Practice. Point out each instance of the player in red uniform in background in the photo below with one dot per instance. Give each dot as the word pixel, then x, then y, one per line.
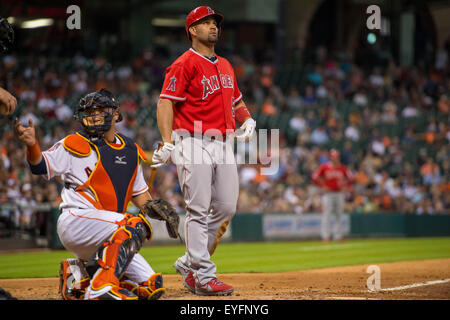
pixel 200 101
pixel 334 178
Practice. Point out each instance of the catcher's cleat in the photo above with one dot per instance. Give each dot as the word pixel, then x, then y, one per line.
pixel 188 277
pixel 73 279
pixel 147 290
pixel 110 292
pixel 214 287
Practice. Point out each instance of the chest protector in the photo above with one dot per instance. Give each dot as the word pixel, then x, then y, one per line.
pixel 114 174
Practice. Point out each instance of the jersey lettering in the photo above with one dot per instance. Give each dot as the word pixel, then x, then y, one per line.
pixel 207 88
pixel 227 80
pixel 54 147
pixel 215 83
pixel 212 84
pixel 88 171
pixel 333 174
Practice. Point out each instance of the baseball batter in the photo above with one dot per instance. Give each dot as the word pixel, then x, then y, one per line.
pixel 199 104
pixel 334 178
pixel 102 172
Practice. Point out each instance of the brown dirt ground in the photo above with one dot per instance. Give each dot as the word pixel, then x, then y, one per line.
pixel 347 283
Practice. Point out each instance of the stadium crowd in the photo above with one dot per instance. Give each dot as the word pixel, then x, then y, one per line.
pixel 386 178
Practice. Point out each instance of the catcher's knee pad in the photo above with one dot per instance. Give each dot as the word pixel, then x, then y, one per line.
pixel 73 279
pixel 152 289
pixel 110 261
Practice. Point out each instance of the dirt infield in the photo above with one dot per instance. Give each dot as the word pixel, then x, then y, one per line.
pixel 399 280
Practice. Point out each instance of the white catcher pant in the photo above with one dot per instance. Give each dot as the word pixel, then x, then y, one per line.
pixel 83 231
pixel 208 177
pixel 332 204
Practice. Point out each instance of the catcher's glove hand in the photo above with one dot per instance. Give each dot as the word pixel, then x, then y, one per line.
pixel 162 210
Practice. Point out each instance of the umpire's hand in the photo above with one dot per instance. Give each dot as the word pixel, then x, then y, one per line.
pixel 7 102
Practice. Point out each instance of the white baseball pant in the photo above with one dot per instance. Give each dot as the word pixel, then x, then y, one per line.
pixel 332 205
pixel 208 177
pixel 83 231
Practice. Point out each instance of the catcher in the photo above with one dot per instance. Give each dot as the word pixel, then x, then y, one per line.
pixel 102 172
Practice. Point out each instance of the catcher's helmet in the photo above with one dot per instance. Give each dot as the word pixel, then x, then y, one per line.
pixel 97 100
pixel 199 13
pixel 6 35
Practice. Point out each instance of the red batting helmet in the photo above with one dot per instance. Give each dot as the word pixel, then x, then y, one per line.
pixel 200 13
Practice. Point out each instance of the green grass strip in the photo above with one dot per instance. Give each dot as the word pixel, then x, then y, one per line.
pixel 254 257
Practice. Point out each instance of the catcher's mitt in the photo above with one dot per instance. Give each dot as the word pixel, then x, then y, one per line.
pixel 162 210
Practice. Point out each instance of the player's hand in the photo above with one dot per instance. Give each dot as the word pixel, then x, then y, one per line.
pixel 162 155
pixel 8 102
pixel 248 127
pixel 26 134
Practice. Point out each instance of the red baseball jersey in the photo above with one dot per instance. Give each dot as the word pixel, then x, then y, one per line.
pixel 204 90
pixel 334 177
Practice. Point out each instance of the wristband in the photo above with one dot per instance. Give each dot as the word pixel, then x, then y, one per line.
pixel 33 152
pixel 241 114
pixel 40 168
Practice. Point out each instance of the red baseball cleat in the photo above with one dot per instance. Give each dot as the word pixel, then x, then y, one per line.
pixel 214 287
pixel 188 277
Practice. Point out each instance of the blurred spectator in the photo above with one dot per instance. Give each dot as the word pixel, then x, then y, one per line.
pixel 377 146
pixel 360 98
pixel 268 107
pixel 298 123
pixel 389 112
pixel 410 111
pixel 319 136
pixel 294 101
pixel 309 98
pixel 352 132
pixel 62 111
pixel 430 172
pixel 444 104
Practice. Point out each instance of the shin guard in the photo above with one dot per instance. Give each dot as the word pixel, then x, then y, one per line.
pixel 110 261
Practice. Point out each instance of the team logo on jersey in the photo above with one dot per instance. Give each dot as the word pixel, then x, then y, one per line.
pixel 213 84
pixel 172 84
pixel 119 160
pixel 54 147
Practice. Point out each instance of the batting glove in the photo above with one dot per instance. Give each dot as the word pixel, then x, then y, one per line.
pixel 248 127
pixel 162 155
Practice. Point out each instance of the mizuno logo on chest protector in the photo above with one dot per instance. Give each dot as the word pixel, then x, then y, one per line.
pixel 120 160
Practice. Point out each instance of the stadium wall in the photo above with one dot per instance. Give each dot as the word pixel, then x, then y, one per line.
pixel 285 226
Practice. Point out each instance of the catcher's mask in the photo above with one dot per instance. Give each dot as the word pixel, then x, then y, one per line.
pixel 6 35
pixel 95 112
